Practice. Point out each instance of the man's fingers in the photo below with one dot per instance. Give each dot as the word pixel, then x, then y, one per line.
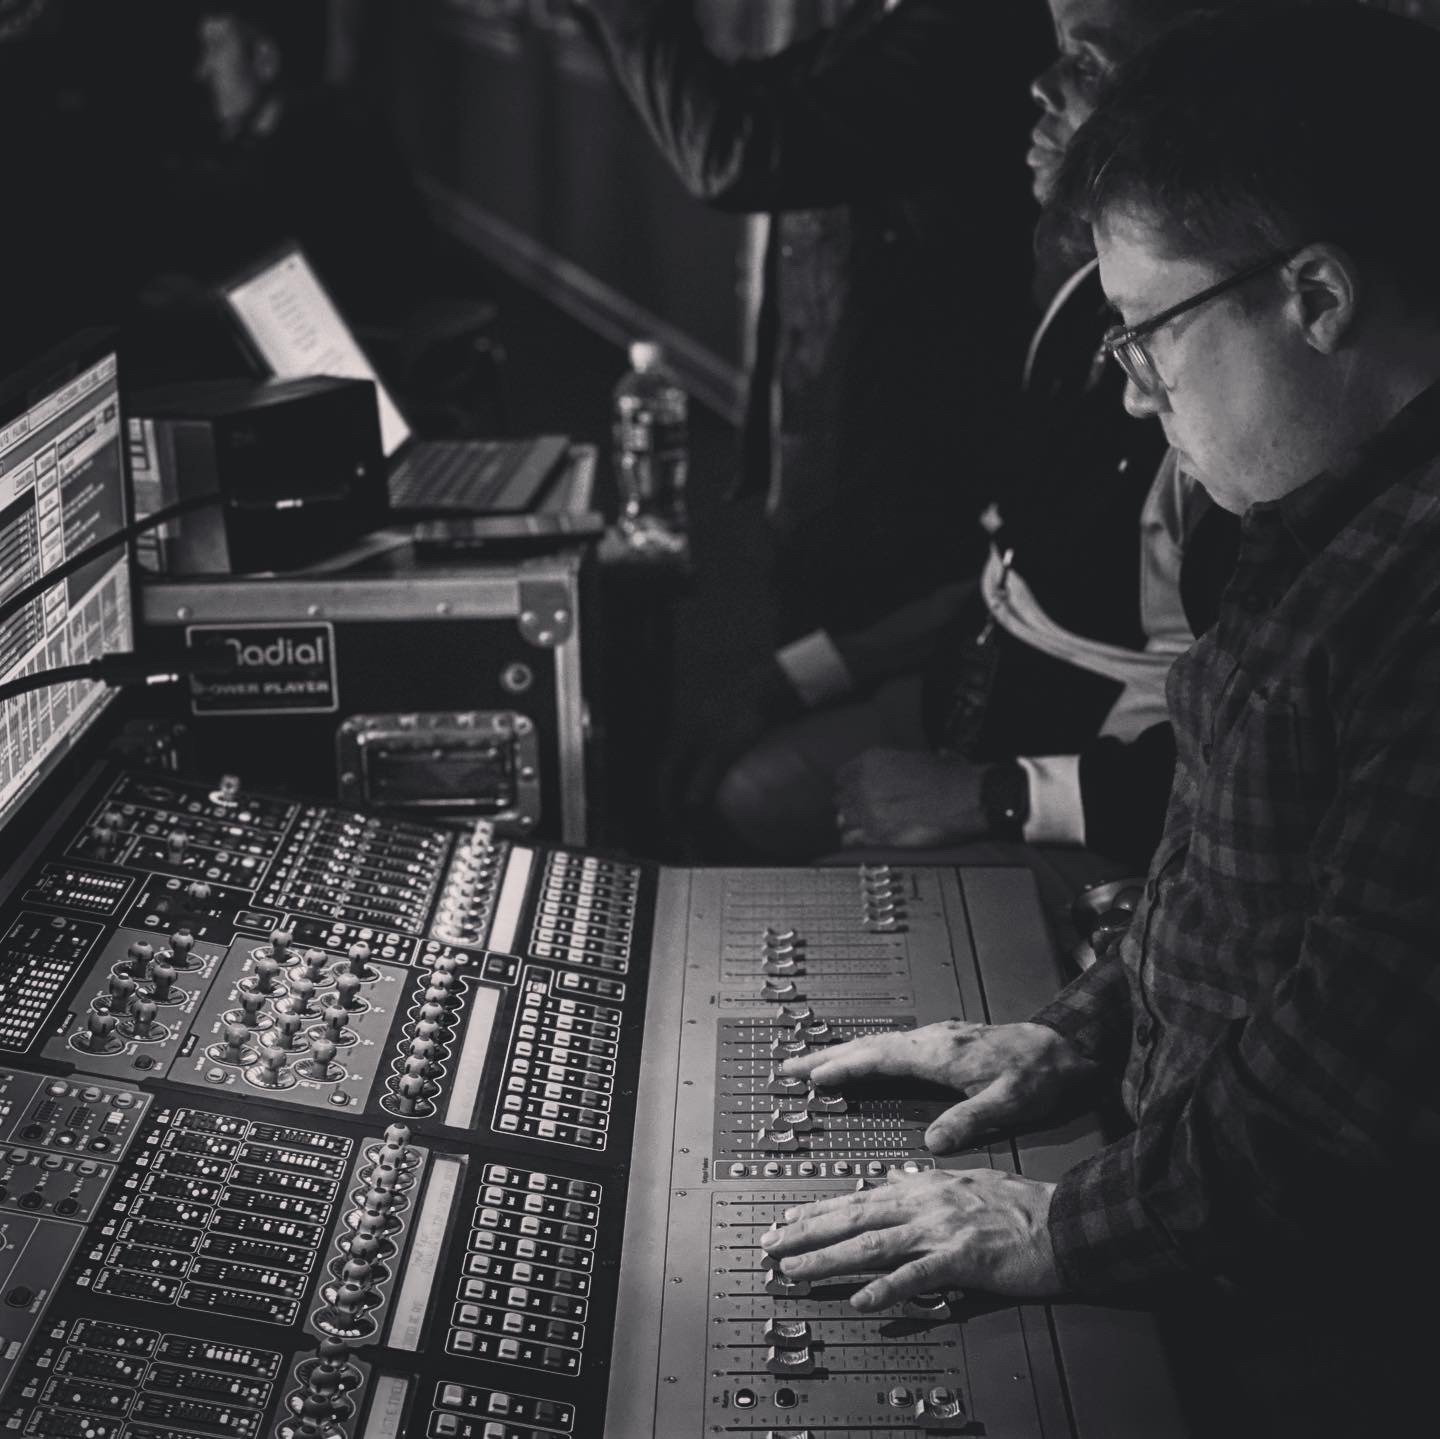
pixel 988 1110
pixel 862 1253
pixel 895 1054
pixel 924 1275
pixel 839 1217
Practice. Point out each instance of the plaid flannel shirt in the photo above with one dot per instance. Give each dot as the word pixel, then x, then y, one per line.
pixel 1275 1005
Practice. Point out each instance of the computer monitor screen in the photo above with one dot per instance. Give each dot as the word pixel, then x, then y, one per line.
pixel 295 328
pixel 62 488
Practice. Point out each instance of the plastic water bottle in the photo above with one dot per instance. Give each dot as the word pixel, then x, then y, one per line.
pixel 651 450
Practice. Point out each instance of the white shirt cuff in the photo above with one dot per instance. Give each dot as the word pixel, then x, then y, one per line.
pixel 815 668
pixel 1057 814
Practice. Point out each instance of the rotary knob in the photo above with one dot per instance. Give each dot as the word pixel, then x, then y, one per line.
pixel 270 1072
pixel 315 962
pixel 287 1032
pixel 409 1092
pixel 437 996
pixel 359 956
pixel 424 1049
pixel 182 945
pixel 198 891
pixel 140 954
pixel 428 1029
pixel 280 941
pixel 396 1136
pixel 237 1041
pixel 141 1023
pixel 347 991
pixel 100 1036
pixel 302 996
pixel 162 983
pixel 103 838
pixel 250 1006
pixel 334 1020
pixel 266 969
pixel 122 993
pixel 176 843
pixel 229 791
pixel 321 1064
pixel 434 1013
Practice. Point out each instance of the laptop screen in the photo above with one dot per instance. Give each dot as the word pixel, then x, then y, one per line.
pixel 298 332
pixel 62 490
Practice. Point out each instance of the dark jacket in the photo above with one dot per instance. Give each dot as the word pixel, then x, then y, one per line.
pixel 889 149
pixel 1070 512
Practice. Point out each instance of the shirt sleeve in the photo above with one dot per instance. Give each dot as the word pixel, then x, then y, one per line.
pixel 1318 1113
pixel 816 124
pixel 1093 1013
pixel 1057 815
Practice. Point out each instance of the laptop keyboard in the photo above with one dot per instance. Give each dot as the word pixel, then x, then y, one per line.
pixel 465 474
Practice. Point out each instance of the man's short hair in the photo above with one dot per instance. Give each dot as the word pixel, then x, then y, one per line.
pixel 296 27
pixel 1244 132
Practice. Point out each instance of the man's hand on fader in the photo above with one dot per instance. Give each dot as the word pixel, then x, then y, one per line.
pixel 1014 1075
pixel 937 1231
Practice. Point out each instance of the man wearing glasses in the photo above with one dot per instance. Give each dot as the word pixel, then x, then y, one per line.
pixel 1273 1015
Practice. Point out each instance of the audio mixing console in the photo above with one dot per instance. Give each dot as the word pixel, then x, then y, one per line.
pixel 330 1124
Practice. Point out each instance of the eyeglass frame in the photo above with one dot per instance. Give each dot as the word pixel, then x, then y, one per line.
pixel 1125 345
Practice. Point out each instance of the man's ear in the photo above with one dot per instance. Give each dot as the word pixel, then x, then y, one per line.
pixel 1324 285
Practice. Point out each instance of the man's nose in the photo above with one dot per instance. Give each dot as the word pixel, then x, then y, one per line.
pixel 1045 90
pixel 1142 404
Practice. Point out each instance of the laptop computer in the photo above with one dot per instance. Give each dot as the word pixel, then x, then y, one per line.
pixel 295 329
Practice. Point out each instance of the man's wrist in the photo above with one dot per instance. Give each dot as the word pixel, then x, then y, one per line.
pixel 815 668
pixel 1005 800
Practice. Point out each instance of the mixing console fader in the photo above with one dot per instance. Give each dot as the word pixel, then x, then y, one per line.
pixel 320 1124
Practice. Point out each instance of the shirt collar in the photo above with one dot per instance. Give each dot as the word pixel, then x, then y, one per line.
pixel 1316 512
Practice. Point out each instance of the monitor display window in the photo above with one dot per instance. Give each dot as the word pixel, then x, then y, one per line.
pixel 62 488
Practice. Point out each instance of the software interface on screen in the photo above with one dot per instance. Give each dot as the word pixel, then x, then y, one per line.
pixel 61 489
pixel 298 331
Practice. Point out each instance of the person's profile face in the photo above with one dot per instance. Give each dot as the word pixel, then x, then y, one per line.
pixel 225 67
pixel 1229 383
pixel 1092 37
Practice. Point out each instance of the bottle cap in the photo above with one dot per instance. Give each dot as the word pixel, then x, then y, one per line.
pixel 645 355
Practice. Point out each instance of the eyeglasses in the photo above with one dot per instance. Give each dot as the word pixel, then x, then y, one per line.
pixel 1128 347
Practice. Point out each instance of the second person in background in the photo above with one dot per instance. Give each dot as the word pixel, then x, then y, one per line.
pixel 890 329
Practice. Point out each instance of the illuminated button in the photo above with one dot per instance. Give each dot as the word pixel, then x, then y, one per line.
pixel 499 1403
pixel 900 1397
pixel 513 1323
pixel 738 1171
pixel 874 1167
pixel 508 1349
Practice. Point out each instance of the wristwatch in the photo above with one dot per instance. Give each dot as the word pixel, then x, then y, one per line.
pixel 1005 800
